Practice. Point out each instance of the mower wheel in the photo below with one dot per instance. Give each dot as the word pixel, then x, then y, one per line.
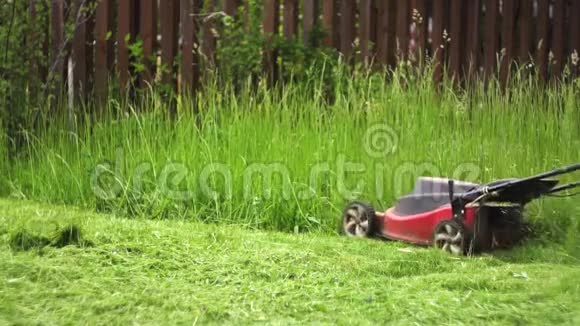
pixel 359 220
pixel 450 236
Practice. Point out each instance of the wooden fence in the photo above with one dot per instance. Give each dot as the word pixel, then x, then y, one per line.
pixel 464 38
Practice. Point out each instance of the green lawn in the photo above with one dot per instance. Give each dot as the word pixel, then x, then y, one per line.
pixel 173 272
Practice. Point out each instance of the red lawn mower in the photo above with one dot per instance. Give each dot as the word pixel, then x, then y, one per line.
pixel 456 216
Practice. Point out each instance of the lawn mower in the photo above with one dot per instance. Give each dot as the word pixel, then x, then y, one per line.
pixel 457 216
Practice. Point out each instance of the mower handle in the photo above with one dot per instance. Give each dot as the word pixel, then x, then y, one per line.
pixel 565 187
pixel 484 190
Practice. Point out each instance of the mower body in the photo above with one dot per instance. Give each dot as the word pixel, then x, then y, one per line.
pixel 457 216
pixel 417 215
pixel 419 228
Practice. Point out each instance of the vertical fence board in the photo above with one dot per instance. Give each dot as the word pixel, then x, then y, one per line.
pixel 90 51
pixel 69 21
pixel 575 36
pixel 421 20
pixel 46 50
pixel 187 32
pixel 455 32
pixel 525 44
pixel 148 34
pixel 111 33
pixel 473 45
pixel 403 29
pixel 438 41
pixel 373 28
pixel 230 7
pixel 386 29
pixel 124 20
pixel 169 14
pixel 57 46
pixel 491 39
pixel 364 34
pixel 507 40
pixel 290 18
pixel 543 41
pixel 271 21
pixel 190 72
pixel 329 23
pixel 33 73
pixel 575 27
pixel 79 50
pixel 558 41
pixel 208 46
pixel 101 51
pixel 382 31
pixel 309 19
pixel 347 25
pixel 135 18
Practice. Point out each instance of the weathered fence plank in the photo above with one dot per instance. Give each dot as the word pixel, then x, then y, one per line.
pixel 148 35
pixel 330 23
pixel 124 21
pixel 456 41
pixel 46 50
pixel 437 36
pixel 347 27
pixel 230 7
pixel 271 22
pixel 135 18
pixel 507 40
pixel 111 36
pixel 558 41
pixel 543 41
pixel 575 37
pixel 364 34
pixel 403 29
pixel 373 28
pixel 101 52
pixel 190 72
pixel 386 28
pixel 169 15
pixel 79 49
pixel 526 17
pixel 575 27
pixel 421 20
pixel 472 37
pixel 56 69
pixel 309 18
pixel 90 51
pixel 290 19
pixel 33 43
pixel 209 43
pixel 491 37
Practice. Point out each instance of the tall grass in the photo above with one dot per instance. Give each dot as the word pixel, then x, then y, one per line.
pixel 481 134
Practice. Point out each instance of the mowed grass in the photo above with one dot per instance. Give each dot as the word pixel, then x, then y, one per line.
pixel 174 272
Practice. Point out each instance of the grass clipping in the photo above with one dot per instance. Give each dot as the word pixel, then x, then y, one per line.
pixel 70 235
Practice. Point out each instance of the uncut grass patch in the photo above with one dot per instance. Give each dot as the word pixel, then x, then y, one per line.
pixel 196 167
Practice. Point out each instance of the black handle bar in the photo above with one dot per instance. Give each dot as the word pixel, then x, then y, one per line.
pixel 565 187
pixel 483 190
